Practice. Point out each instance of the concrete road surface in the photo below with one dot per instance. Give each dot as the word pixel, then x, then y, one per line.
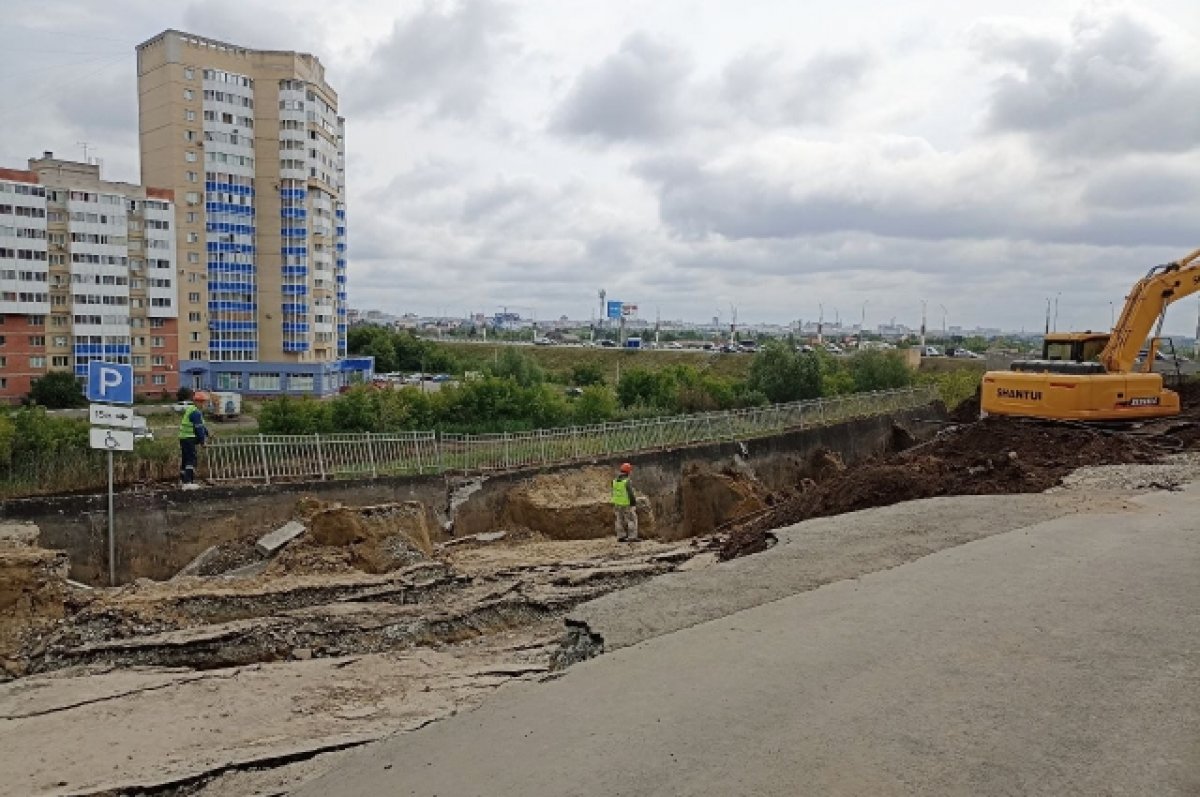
pixel 1061 658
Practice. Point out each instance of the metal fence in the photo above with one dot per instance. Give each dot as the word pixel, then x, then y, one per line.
pixel 269 458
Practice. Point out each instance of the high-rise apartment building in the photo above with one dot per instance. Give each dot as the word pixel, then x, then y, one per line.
pixel 252 144
pixel 87 272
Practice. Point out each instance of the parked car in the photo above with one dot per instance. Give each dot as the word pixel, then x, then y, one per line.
pixel 608 344
pixel 543 342
pixel 833 348
pixel 674 345
pixel 931 351
pixel 966 354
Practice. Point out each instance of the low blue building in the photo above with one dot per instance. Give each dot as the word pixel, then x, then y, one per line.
pixel 277 379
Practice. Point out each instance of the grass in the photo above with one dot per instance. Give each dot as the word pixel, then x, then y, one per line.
pixel 559 360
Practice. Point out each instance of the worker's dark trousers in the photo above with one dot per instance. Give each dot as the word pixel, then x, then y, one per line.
pixel 187 460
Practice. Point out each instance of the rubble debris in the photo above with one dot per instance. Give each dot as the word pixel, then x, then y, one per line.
pixel 481 537
pixel 579 643
pixel 21 535
pixel 33 597
pixel 270 544
pixel 196 566
pixel 744 541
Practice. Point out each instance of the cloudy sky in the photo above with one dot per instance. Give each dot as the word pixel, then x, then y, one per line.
pixel 693 155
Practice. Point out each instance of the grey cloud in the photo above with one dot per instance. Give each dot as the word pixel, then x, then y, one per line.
pixel 1113 86
pixel 442 57
pixel 1146 185
pixel 633 94
pixel 696 202
pixel 503 198
pixel 760 87
pixel 284 28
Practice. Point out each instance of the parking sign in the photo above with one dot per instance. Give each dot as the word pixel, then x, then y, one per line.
pixel 110 383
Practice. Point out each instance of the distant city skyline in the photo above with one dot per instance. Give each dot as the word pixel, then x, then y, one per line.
pixel 691 154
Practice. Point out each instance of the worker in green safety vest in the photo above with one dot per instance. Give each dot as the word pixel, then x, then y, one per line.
pixel 192 434
pixel 625 505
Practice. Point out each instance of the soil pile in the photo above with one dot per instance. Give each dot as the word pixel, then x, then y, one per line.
pixel 992 456
pixel 33 596
pixel 712 499
pixel 570 505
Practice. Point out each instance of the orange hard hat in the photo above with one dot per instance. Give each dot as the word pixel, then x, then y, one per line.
pixel 626 468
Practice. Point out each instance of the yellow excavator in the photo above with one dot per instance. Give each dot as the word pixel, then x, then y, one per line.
pixel 1091 376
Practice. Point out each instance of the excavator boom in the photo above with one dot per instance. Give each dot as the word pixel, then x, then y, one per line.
pixel 1105 388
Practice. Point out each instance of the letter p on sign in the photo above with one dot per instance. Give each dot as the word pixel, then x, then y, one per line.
pixel 110 383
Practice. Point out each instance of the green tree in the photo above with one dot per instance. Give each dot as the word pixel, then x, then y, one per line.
pixel 384 351
pixel 596 404
pixel 57 390
pixel 878 370
pixel 288 415
pixel 782 374
pixel 585 374
pixel 354 411
pixel 639 386
pixel 514 364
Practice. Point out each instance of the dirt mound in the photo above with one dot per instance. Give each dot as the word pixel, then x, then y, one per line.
pixel 967 411
pixel 371 539
pixel 712 499
pixel 570 505
pixel 33 596
pixel 992 456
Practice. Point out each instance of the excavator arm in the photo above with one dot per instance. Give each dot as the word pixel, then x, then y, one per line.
pixel 1144 309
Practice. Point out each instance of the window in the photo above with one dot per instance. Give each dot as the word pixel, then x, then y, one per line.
pixel 195 337
pixel 60 362
pixel 193 217
pixel 138 380
pixel 264 381
pixel 158 379
pixel 60 341
pixel 197 355
pixel 158 359
pixel 189 156
pixel 37 362
pixel 194 317
pixel 188 94
pixel 229 381
pixel 3 382
pixel 194 297
pixel 3 340
pixel 189 116
pixel 193 257
pixel 192 177
pixel 37 340
pixel 139 361
pixel 193 237
pixel 192 197
pixel 301 382
pixel 37 320
pixel 189 135
pixel 158 342
pixel 189 73
pixel 3 362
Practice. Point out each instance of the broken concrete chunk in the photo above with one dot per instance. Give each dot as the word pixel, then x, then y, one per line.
pixel 270 544
pixel 20 535
pixel 193 567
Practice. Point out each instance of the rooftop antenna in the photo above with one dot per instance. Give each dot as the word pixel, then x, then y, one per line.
pixel 86 146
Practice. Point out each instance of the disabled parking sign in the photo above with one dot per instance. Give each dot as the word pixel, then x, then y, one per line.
pixel 110 383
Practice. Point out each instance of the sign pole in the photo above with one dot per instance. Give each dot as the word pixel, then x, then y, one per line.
pixel 112 548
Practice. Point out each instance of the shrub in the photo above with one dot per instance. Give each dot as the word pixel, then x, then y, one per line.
pixel 57 390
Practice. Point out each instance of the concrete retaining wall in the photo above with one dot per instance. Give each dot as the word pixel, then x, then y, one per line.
pixel 158 532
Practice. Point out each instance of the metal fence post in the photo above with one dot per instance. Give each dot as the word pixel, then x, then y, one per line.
pixel 262 450
pixel 507 462
pixel 542 441
pixel 371 454
pixel 320 456
pixel 437 450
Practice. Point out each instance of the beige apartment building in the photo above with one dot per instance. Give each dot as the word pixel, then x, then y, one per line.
pixel 251 143
pixel 87 272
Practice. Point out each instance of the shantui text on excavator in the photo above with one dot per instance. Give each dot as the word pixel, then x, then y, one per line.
pixel 1087 376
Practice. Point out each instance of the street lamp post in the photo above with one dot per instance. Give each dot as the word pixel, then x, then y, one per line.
pixel 862 324
pixel 1056 297
pixel 945 337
